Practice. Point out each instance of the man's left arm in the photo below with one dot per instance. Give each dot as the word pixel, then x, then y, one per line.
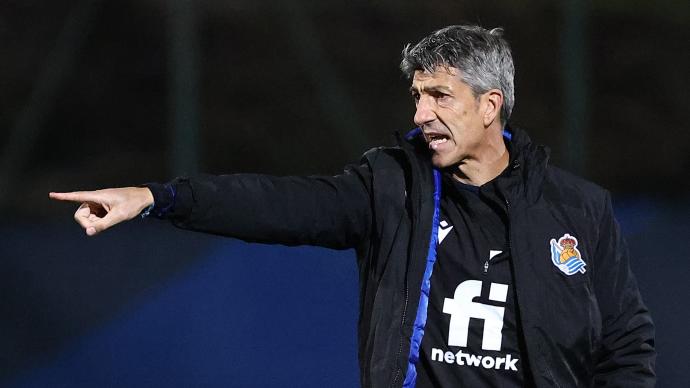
pixel 627 352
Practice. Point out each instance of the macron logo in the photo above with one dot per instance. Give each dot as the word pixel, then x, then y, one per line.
pixel 443 230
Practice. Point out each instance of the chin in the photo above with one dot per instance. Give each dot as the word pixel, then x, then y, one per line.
pixel 438 165
pixel 442 161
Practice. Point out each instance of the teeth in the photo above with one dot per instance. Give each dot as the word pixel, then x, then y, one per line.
pixel 435 140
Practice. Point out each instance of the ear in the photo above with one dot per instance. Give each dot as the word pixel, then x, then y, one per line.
pixel 492 101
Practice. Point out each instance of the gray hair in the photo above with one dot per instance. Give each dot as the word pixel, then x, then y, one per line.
pixel 482 56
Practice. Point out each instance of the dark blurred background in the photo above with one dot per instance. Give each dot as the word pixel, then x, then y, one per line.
pixel 110 93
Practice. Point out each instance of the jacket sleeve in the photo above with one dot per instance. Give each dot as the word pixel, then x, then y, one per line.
pixel 333 212
pixel 627 352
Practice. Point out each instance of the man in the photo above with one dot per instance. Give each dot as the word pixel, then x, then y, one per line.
pixel 459 233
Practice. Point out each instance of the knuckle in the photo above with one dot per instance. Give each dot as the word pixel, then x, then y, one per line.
pixel 116 215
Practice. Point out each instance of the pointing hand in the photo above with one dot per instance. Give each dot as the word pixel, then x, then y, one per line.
pixel 101 209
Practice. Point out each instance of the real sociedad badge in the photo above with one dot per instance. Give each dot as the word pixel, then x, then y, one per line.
pixel 565 255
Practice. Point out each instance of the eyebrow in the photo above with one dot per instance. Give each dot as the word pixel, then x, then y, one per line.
pixel 433 88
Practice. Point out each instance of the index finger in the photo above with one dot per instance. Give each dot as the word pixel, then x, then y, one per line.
pixel 77 196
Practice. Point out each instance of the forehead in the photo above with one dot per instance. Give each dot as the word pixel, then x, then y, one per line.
pixel 441 76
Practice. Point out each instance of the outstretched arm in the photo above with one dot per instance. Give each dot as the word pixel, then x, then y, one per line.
pixel 102 209
pixel 330 211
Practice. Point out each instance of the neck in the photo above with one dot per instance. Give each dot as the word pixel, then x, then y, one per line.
pixel 487 163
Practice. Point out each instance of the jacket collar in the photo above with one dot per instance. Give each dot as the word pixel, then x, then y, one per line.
pixel 527 159
pixel 530 162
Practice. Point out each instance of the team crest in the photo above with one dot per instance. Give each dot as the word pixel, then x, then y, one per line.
pixel 565 255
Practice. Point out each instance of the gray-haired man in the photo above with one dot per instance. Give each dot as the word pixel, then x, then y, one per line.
pixel 480 264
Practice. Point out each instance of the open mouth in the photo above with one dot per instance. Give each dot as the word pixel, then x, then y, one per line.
pixel 436 139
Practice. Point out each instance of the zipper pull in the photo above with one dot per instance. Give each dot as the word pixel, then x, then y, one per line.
pixel 492 254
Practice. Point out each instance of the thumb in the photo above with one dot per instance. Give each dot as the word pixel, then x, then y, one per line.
pixel 98 225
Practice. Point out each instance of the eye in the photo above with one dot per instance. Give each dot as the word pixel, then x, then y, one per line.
pixel 440 96
pixel 415 96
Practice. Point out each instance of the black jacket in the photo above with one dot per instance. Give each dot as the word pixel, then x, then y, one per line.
pixel 589 329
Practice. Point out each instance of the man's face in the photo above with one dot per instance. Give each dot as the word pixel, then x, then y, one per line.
pixel 449 115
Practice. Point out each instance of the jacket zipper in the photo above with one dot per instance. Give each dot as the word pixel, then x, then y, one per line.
pixel 398 370
pixel 516 165
pixel 507 202
pixel 508 224
pixel 402 326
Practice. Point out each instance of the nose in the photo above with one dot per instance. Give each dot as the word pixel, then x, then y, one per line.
pixel 425 111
